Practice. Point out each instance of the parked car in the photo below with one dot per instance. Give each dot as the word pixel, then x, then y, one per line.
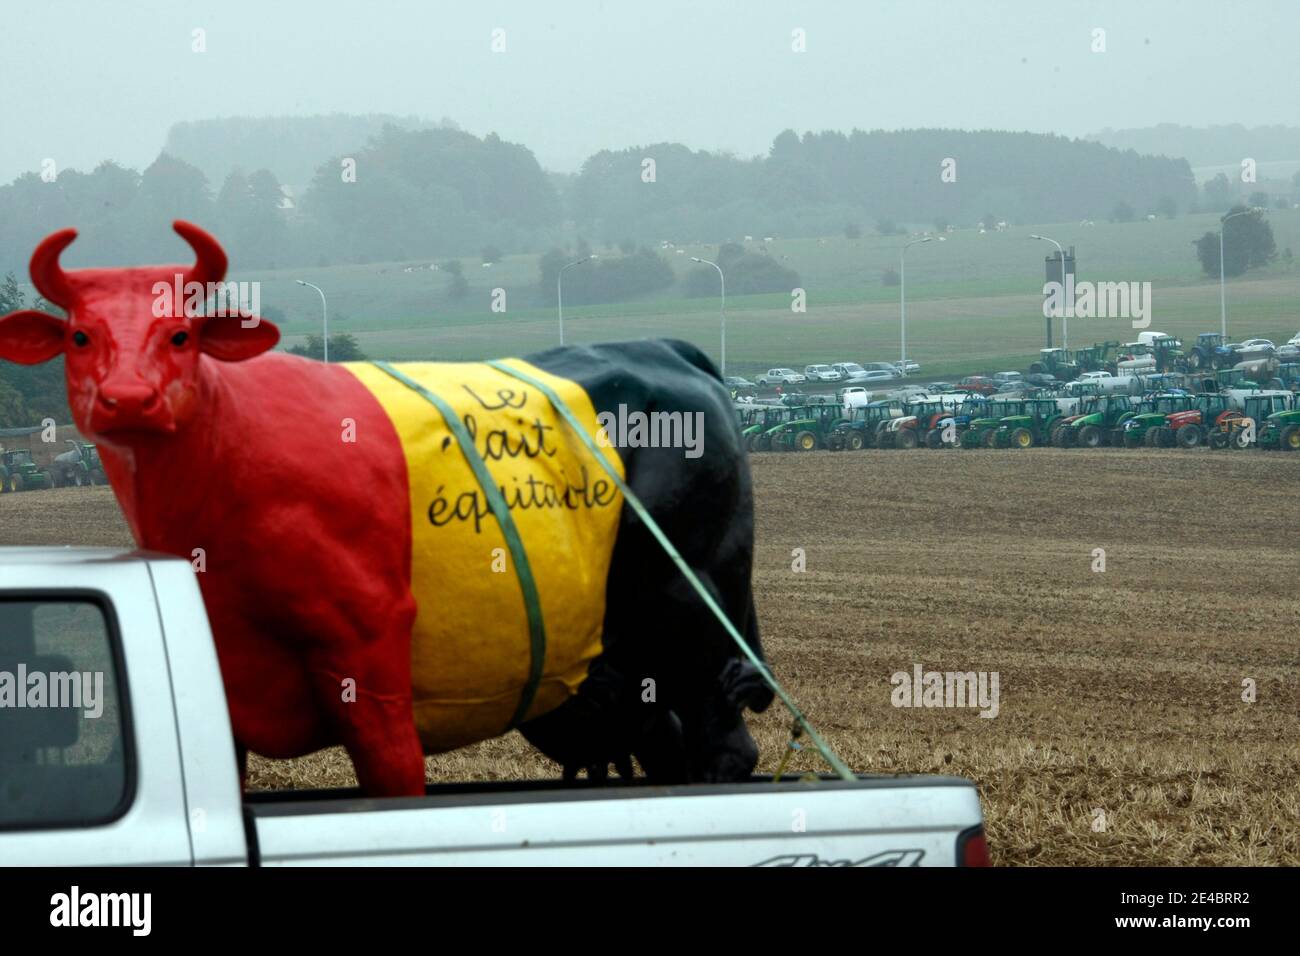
pixel 893 370
pixel 852 371
pixel 907 366
pixel 150 777
pixel 876 375
pixel 822 373
pixel 1253 349
pixel 1004 377
pixel 978 383
pixel 738 383
pixel 781 376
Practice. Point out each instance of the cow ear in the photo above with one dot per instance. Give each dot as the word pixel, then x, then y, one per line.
pixel 234 339
pixel 30 338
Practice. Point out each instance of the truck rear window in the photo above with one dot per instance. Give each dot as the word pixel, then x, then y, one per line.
pixel 62 748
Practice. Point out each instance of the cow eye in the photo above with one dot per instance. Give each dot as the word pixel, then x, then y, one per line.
pixel 180 338
pixel 81 338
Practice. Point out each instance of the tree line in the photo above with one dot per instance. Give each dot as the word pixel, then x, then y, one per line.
pixel 420 193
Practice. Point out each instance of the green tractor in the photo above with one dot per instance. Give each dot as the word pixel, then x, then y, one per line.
pixel 1287 377
pixel 1233 378
pixel 1168 351
pixel 1033 426
pixel 1149 425
pixel 861 429
pixel 757 423
pixel 1281 429
pixel 1056 362
pixel 981 432
pixel 1266 420
pixel 78 466
pixel 1093 423
pixel 1095 358
pixel 807 430
pixel 19 472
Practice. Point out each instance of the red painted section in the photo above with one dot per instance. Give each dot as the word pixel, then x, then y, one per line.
pixel 305 536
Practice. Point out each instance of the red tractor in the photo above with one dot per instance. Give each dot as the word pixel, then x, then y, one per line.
pixel 1194 426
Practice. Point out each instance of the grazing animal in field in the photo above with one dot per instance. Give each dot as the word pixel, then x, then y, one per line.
pixel 361 589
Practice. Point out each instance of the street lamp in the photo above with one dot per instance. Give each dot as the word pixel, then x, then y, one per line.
pixel 902 299
pixel 325 317
pixel 1223 300
pixel 1065 318
pixel 559 291
pixel 722 311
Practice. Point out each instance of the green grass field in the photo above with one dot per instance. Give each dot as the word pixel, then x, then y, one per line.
pixel 974 301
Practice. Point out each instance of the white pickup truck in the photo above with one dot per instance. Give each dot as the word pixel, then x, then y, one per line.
pixel 115 748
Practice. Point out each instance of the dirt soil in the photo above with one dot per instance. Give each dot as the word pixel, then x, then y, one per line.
pixel 1122 735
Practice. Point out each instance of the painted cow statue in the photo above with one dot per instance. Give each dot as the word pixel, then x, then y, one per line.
pixel 360 589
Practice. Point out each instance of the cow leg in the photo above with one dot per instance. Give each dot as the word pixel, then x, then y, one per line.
pixel 369 706
pixel 711 687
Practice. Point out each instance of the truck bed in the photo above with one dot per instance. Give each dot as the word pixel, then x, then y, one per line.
pixel 871 821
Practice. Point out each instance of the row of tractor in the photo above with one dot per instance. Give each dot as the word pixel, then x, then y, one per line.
pixel 1233 418
pixel 78 466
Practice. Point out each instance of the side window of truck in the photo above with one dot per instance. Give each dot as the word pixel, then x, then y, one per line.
pixel 63 747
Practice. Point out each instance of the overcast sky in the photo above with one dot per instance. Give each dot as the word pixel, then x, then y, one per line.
pixel 85 80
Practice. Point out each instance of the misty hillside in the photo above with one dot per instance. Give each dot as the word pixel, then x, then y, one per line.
pixel 1207 146
pixel 291 147
pixel 438 191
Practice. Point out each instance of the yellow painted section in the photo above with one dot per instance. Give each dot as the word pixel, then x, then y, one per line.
pixel 470 649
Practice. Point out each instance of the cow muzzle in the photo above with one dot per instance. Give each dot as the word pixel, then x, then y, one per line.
pixel 130 406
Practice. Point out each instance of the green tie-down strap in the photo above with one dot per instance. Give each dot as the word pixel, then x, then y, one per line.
pixel 497 502
pixel 635 503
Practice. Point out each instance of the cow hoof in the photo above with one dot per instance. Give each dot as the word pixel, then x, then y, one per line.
pixel 743 686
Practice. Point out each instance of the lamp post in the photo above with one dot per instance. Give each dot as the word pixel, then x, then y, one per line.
pixel 325 317
pixel 1065 318
pixel 559 290
pixel 902 300
pixel 1223 298
pixel 722 311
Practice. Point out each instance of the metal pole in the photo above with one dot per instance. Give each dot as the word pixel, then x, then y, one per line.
pixel 902 309
pixel 722 311
pixel 1222 294
pixel 1065 318
pixel 325 315
pixel 902 301
pixel 1223 299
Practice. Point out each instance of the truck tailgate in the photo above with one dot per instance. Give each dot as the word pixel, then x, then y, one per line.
pixel 873 821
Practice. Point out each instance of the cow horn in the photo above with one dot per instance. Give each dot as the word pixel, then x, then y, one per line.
pixel 47 275
pixel 210 265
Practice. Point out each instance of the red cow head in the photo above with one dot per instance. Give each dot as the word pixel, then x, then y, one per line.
pixel 132 367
